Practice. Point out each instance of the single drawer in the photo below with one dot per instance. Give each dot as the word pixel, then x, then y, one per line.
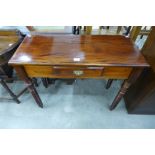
pixel 78 72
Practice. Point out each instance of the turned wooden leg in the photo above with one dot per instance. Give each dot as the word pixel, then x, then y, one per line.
pixel 120 94
pixel 15 98
pixel 22 74
pixel 126 84
pixel 109 83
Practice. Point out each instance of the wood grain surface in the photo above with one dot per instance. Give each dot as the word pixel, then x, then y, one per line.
pixel 89 50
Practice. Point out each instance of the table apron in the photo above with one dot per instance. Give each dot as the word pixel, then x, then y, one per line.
pixel 78 72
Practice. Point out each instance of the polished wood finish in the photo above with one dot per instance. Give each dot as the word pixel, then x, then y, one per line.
pixel 7 43
pixel 85 56
pixel 68 71
pixel 85 50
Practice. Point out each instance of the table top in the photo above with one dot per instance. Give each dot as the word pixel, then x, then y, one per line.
pixel 93 50
pixel 7 43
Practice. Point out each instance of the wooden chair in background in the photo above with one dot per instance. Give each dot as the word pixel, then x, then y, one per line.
pixel 9 42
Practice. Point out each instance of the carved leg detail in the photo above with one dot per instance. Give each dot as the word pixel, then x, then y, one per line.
pixel 120 94
pixel 126 84
pixel 109 83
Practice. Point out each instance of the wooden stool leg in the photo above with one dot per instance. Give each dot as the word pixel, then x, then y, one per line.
pixel 21 72
pixel 109 83
pixel 15 98
pixel 126 84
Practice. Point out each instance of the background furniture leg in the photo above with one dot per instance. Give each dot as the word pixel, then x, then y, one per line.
pixel 109 83
pixel 22 74
pixel 45 82
pixel 9 91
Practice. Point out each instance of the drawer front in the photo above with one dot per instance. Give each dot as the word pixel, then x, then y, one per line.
pixel 78 72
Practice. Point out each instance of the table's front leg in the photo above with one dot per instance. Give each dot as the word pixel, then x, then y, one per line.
pixel 126 84
pixel 23 75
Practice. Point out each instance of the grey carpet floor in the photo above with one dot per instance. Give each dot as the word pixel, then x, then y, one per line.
pixel 83 105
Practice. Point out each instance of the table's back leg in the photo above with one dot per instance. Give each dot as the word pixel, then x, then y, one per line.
pixel 45 82
pixel 126 84
pixel 22 74
pixel 109 83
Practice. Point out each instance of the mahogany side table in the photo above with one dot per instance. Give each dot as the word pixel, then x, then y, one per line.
pixel 84 56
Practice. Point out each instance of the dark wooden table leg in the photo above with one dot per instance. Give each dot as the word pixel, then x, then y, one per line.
pixel 15 98
pixel 22 74
pixel 126 84
pixel 45 82
pixel 109 83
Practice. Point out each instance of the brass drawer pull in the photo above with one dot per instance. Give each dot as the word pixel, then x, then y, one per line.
pixel 78 72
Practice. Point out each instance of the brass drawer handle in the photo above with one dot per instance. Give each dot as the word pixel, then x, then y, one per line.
pixel 78 72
